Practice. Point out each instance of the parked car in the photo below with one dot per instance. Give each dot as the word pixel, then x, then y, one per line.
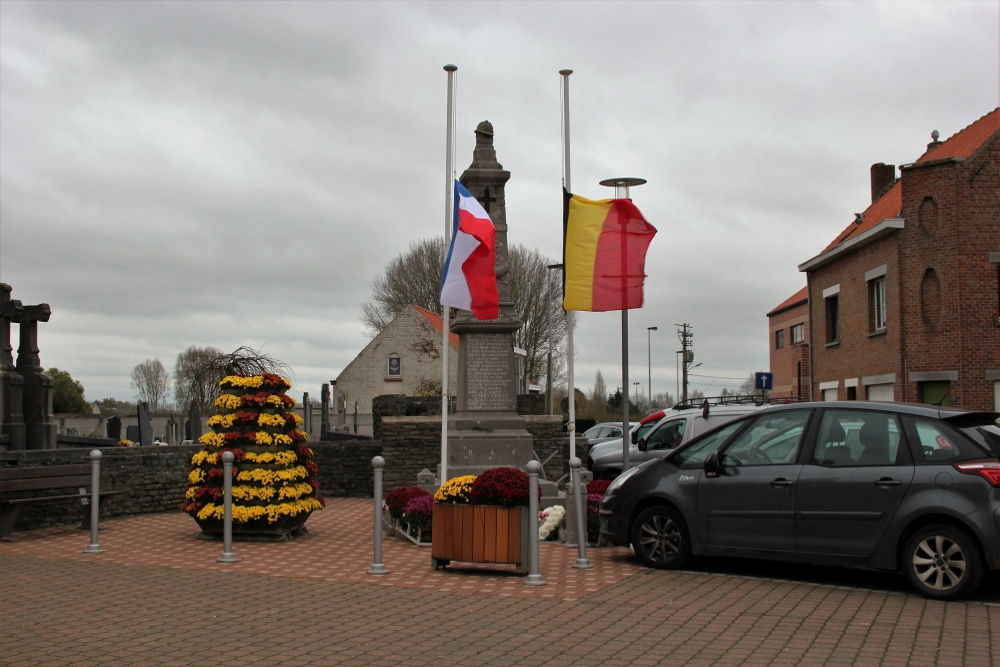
pixel 661 431
pixel 887 486
pixel 602 432
pixel 638 430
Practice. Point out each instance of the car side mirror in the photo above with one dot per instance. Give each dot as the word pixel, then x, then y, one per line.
pixel 641 445
pixel 712 465
pixel 635 437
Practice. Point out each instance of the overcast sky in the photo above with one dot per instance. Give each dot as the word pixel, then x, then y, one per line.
pixel 238 173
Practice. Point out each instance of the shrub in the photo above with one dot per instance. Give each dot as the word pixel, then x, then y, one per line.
pixel 456 490
pixel 503 487
pixel 395 501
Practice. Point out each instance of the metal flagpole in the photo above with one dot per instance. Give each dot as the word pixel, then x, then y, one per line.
pixel 449 210
pixel 571 426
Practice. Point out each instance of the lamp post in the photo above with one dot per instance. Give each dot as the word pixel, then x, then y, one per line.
pixel 621 186
pixel 649 366
pixel 549 309
pixel 636 385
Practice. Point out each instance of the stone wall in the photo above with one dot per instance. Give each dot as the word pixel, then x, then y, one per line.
pixel 153 478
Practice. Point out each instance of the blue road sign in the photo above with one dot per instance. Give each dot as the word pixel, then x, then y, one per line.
pixel 763 380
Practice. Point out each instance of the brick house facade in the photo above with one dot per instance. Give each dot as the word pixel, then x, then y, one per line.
pixel 905 302
pixel 788 326
pixel 404 358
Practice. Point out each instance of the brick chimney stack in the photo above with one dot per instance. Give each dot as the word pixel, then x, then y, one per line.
pixel 883 176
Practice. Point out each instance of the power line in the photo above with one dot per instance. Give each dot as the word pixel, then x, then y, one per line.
pixel 717 377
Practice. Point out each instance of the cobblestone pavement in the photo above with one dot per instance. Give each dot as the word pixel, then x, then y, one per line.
pixel 157 596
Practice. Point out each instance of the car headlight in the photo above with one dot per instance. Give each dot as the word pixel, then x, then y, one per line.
pixel 621 479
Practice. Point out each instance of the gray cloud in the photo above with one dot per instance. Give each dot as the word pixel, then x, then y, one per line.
pixel 178 173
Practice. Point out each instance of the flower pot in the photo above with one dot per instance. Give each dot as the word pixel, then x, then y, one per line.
pixel 480 534
pixel 258 529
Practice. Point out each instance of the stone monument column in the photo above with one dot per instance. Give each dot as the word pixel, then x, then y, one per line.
pixel 39 429
pixel 486 430
pixel 11 382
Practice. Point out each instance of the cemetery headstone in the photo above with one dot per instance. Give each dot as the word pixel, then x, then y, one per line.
pixel 115 427
pixel 145 424
pixel 11 382
pixel 132 432
pixel 324 419
pixel 193 431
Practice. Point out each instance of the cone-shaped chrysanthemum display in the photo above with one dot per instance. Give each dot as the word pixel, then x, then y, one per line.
pixel 274 477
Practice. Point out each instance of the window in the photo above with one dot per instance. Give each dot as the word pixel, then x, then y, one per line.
pixel 798 333
pixel 832 319
pixel 695 455
pixel 667 436
pixel 876 304
pixel 772 439
pixel 779 339
pixel 857 438
pixel 393 367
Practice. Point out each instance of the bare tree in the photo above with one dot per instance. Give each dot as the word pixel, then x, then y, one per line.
pixel 600 391
pixel 414 277
pixel 152 384
pixel 749 387
pixel 192 382
pixel 203 369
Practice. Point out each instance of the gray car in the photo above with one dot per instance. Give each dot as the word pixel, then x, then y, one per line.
pixel 675 428
pixel 887 486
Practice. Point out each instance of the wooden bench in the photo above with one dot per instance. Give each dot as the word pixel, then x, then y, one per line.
pixel 15 479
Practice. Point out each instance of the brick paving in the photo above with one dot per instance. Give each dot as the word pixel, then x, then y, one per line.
pixel 156 596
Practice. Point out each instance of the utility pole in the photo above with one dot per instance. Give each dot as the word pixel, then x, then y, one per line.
pixel 687 355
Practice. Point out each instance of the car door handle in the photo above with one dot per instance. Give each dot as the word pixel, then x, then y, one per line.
pixel 781 481
pixel 887 481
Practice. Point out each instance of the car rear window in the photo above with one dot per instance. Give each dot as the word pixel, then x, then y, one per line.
pixel 938 442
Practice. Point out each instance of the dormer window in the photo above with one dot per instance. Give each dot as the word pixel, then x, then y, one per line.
pixel 393 369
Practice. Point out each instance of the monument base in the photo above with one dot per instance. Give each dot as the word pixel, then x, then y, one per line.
pixel 478 441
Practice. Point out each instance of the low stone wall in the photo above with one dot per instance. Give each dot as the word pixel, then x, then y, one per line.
pixel 153 479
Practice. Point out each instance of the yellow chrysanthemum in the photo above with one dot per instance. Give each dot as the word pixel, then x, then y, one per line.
pixel 455 490
pixel 212 439
pixel 196 476
pixel 227 402
pixel 270 420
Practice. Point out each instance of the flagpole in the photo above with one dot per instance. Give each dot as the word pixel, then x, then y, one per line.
pixel 449 210
pixel 571 426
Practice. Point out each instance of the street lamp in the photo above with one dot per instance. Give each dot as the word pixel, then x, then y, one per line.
pixel 636 385
pixel 649 367
pixel 621 186
pixel 549 309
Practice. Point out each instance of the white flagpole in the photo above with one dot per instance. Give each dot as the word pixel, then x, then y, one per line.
pixel 449 209
pixel 571 426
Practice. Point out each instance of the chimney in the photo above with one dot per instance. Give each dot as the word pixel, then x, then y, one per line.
pixel 883 176
pixel 934 140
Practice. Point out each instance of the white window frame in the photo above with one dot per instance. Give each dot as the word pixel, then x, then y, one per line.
pixel 799 328
pixel 388 366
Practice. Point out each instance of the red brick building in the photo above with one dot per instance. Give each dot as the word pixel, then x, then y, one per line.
pixel 905 302
pixel 788 325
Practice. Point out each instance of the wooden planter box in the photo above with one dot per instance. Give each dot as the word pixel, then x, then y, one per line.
pixel 480 534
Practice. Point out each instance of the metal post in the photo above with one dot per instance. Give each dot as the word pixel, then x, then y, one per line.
pixel 95 502
pixel 649 367
pixel 227 510
pixel 534 578
pixel 581 515
pixel 377 567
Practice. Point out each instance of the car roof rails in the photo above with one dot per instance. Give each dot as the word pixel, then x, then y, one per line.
pixel 734 399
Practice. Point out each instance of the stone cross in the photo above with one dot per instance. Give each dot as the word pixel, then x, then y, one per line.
pixel 11 382
pixel 40 429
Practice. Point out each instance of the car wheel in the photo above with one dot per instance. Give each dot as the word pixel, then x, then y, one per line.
pixel 660 538
pixel 943 563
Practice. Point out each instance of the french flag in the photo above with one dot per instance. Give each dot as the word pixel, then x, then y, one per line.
pixel 470 280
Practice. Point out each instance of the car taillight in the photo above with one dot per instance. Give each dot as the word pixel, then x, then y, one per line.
pixel 988 469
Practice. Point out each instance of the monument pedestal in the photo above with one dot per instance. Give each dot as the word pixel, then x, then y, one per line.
pixel 479 441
